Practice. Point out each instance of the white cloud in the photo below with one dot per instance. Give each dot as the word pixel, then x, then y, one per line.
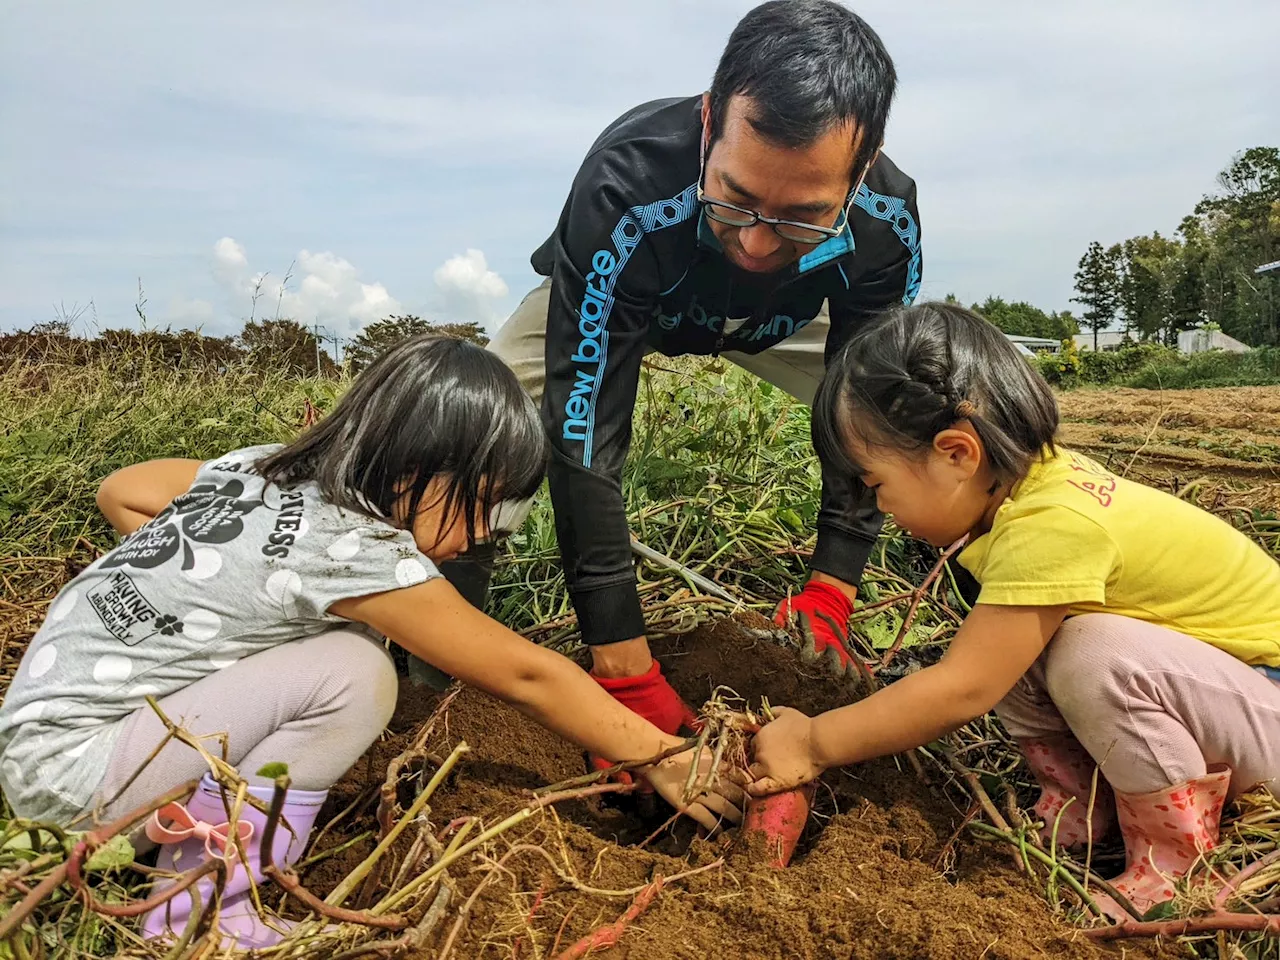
pixel 319 288
pixel 182 313
pixel 470 291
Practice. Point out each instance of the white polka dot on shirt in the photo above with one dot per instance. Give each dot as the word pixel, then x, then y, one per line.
pixel 143 690
pixel 42 660
pixel 410 571
pixel 201 625
pixel 221 663
pixel 205 562
pixel 346 546
pixel 63 605
pixel 12 773
pixel 79 750
pixel 112 668
pixel 32 711
pixel 284 587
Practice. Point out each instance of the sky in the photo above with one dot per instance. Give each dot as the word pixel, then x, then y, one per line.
pixel 341 162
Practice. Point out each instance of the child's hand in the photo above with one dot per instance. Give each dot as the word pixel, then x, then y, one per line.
pixel 712 810
pixel 783 752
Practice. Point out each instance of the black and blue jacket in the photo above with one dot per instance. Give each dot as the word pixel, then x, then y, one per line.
pixel 633 266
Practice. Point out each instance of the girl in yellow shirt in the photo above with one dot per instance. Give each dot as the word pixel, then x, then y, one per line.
pixel 1116 624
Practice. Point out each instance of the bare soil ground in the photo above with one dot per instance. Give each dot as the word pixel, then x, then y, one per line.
pixel 1226 441
pixel 880 874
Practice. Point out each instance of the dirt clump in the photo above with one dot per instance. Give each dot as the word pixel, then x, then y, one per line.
pixel 865 883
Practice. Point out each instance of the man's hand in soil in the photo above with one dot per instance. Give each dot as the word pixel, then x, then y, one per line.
pixel 712 810
pixel 821 610
pixel 783 754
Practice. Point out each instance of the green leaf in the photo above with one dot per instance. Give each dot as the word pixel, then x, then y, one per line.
pixel 791 519
pixel 273 771
pixel 1161 911
pixel 766 388
pixel 116 852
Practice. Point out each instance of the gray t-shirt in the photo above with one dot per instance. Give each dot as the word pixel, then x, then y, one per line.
pixel 232 567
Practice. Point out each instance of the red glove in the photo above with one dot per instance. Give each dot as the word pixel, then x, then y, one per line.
pixel 651 697
pixel 815 605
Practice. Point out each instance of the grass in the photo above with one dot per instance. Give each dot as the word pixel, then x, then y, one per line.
pixel 722 479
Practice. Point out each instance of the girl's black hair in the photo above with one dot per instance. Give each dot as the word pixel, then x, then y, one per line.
pixel 915 371
pixel 432 406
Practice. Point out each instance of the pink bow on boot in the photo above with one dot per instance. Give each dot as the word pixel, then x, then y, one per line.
pixel 187 832
pixel 173 823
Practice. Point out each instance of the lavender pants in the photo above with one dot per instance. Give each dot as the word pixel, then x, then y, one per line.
pixel 1153 707
pixel 315 704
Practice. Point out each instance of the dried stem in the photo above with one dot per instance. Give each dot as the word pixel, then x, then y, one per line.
pixel 514 820
pixel 415 751
pixel 604 937
pixel 1054 866
pixel 1267 923
pixel 95 838
pixel 916 596
pixel 600 776
pixel 353 879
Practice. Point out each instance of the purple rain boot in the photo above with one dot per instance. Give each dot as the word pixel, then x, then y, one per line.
pixel 199 831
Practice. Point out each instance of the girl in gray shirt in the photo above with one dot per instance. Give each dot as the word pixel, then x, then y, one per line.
pixel 250 597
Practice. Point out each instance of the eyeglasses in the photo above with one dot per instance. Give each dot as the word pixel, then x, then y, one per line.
pixel 797 231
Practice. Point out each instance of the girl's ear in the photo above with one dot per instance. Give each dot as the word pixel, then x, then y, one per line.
pixel 960 448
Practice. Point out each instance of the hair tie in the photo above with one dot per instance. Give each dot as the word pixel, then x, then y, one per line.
pixel 965 409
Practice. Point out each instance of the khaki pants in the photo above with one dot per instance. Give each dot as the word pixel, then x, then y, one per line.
pixel 794 365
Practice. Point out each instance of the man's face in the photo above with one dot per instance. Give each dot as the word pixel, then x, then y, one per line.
pixel 808 184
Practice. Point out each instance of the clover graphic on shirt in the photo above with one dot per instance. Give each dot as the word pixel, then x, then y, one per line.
pixel 167 625
pixel 210 514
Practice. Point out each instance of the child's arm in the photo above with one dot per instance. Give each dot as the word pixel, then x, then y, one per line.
pixel 433 622
pixel 993 648
pixel 134 495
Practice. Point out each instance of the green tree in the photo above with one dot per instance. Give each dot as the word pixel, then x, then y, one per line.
pixel 1098 287
pixel 1022 319
pixel 285 345
pixel 463 331
pixel 1239 229
pixel 380 336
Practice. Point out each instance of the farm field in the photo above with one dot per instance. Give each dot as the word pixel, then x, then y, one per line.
pixel 723 478
pixel 1219 446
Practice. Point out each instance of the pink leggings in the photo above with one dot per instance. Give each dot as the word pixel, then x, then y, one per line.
pixel 315 704
pixel 1154 707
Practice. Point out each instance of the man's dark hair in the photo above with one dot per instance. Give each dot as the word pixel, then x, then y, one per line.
pixel 916 371
pixel 807 65
pixel 429 407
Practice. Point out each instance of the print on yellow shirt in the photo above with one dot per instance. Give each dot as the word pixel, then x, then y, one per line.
pixel 1073 533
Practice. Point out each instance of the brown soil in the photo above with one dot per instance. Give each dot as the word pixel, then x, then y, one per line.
pixel 865 885
pixel 1226 441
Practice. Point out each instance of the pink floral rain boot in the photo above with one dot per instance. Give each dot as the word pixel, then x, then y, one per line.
pixel 1064 770
pixel 1164 832
pixel 197 831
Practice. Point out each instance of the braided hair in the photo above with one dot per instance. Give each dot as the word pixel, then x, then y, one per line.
pixel 916 371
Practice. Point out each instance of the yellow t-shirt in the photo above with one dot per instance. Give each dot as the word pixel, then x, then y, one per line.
pixel 1073 533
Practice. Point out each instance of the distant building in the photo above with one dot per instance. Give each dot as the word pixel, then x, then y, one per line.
pixel 1030 346
pixel 1199 341
pixel 1107 340
pixel 1189 341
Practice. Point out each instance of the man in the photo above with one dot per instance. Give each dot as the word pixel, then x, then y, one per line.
pixel 759 222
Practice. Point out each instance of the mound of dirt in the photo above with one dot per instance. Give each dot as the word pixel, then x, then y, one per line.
pixel 865 885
